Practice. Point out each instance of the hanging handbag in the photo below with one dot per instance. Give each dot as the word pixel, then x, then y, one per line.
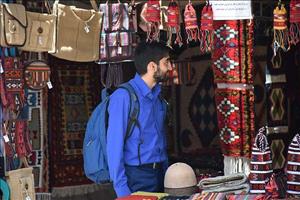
pixel 21 182
pixel 78 33
pixel 37 74
pixel 40 32
pixel 118 34
pixel 13 25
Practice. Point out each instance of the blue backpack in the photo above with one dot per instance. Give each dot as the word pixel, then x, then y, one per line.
pixel 94 144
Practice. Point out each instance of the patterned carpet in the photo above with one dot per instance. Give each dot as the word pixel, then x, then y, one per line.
pixel 72 99
pixel 197 112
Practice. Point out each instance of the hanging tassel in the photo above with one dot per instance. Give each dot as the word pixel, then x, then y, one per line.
pixel 190 21
pixel 294 22
pixel 173 24
pixel 206 29
pixel 281 39
pixel 152 17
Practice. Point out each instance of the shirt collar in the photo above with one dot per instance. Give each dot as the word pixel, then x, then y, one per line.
pixel 144 89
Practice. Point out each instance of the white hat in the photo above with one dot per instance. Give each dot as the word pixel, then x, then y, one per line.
pixel 180 175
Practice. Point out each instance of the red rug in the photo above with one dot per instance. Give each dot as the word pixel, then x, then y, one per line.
pixel 72 100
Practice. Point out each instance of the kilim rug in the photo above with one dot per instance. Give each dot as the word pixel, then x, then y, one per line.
pixel 235 121
pixel 197 111
pixel 259 60
pixel 277 108
pixel 202 109
pixel 37 103
pixel 72 99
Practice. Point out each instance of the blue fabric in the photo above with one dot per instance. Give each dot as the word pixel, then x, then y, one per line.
pixel 149 140
pixel 146 179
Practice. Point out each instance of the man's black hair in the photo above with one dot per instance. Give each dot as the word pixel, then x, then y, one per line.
pixel 149 52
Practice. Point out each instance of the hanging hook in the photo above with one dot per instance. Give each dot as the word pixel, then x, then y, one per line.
pixel 190 2
pixel 279 3
pixel 207 2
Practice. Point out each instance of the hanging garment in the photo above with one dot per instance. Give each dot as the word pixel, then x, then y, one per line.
pixel 118 35
pixel 206 29
pixel 281 39
pixel 190 21
pixel 173 24
pixel 294 22
pixel 153 20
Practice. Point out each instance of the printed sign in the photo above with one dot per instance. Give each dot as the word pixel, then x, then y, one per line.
pixel 231 9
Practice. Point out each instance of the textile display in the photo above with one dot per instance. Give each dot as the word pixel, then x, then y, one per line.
pixel 208 196
pixel 77 36
pixel 278 153
pixel 197 138
pixel 36 112
pixel 14 82
pixel 153 19
pixel 293 168
pixel 137 197
pixel 202 110
pixel 40 32
pixel 233 52
pixel 259 61
pixel 294 31
pixel 72 99
pixel 158 195
pixel 249 197
pixel 277 105
pixel 235 111
pixel 173 24
pixel 13 24
pixel 37 74
pixel 198 124
pixel 234 183
pixel 232 63
pixel 171 197
pixel 206 29
pixel 118 34
pixel 281 35
pixel 190 22
pixel 261 163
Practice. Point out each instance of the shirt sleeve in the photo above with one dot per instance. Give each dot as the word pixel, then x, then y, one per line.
pixel 118 110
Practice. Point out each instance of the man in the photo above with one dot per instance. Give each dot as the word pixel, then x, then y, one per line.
pixel 139 164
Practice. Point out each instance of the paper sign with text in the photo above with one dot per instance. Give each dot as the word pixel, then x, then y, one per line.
pixel 231 9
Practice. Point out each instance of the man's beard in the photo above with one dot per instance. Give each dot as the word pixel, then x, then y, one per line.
pixel 159 76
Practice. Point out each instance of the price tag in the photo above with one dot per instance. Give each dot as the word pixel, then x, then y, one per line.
pixel 6 139
pixel 1 68
pixel 49 84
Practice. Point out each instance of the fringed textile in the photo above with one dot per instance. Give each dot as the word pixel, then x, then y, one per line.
pixel 235 112
pixel 173 13
pixel 152 17
pixel 190 21
pixel 281 37
pixel 233 52
pixel 293 168
pixel 43 196
pixel 206 29
pixel 294 22
pixel 261 163
pixel 234 165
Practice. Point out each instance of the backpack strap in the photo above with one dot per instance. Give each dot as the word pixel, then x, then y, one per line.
pixel 134 110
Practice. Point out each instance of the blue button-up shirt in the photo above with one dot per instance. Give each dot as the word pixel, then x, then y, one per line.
pixel 151 133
